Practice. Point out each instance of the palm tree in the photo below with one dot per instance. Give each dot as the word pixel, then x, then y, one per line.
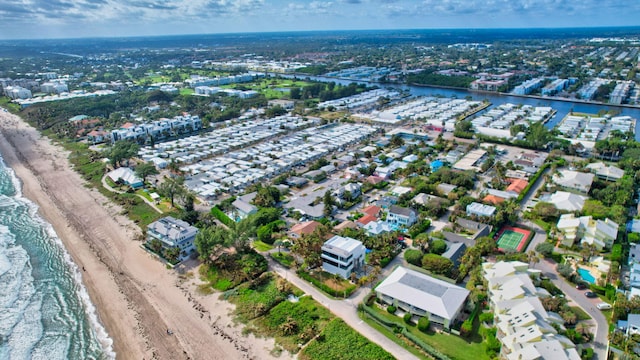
pixel 290 326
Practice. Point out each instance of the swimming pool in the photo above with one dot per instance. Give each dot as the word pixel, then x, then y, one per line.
pixel 586 276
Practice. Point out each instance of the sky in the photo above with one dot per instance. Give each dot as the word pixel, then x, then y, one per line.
pixel 22 19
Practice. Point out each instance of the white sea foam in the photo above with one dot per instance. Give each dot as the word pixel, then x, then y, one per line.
pixel 100 332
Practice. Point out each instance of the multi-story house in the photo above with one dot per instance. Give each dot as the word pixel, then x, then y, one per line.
pixel 342 256
pixel 174 233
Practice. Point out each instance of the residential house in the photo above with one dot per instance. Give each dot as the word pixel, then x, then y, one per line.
pixel 454 252
pixel 399 216
pixel 424 296
pixel 445 188
pixel 608 173
pixel 342 256
pixel 631 326
pixel 517 185
pixel 126 176
pixel 372 210
pixel 173 233
pixel 378 227
pixel 600 233
pixel 243 207
pixel 565 200
pixel 574 180
pixel 303 228
pixel 479 209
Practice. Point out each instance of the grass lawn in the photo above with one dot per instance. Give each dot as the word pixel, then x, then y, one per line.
pixel 455 347
pixel 285 259
pixel 187 91
pixel 543 224
pixel 581 314
pixel 261 246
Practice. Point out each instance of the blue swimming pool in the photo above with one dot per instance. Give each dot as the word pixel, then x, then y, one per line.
pixel 586 276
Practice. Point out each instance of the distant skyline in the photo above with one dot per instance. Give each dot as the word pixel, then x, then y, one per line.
pixel 28 19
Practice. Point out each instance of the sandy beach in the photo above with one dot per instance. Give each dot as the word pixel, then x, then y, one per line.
pixel 136 297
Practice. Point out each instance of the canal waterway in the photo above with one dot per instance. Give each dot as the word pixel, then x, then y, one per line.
pixel 562 107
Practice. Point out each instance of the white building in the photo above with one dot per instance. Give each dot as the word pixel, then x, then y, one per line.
pixel 54 87
pixel 574 180
pixel 17 92
pixel 173 233
pixel 566 201
pixel 480 209
pixel 423 295
pixel 524 327
pixel 600 233
pixel 342 255
pixel 609 173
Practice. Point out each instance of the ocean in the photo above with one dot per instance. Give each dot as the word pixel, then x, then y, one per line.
pixel 45 311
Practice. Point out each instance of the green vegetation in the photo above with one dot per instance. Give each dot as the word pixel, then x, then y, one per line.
pixel 261 246
pixel 337 340
pixel 333 285
pixel 285 259
pixel 434 79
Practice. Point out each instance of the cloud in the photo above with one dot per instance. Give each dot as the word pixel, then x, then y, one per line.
pixel 88 17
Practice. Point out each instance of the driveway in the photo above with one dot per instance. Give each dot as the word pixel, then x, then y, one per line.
pixel 600 342
pixel 345 309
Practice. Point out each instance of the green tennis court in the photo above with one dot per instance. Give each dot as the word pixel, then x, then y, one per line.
pixel 510 240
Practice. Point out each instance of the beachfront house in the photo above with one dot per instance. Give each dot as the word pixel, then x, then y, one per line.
pixel 126 176
pixel 423 295
pixel 342 256
pixel 173 233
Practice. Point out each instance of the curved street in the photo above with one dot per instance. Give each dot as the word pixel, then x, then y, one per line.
pixel 600 342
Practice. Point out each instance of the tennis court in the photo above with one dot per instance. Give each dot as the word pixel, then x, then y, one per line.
pixel 512 239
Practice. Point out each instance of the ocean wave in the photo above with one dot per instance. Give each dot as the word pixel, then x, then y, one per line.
pixel 98 330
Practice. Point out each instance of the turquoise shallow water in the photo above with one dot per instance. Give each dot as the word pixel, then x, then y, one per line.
pixel 45 312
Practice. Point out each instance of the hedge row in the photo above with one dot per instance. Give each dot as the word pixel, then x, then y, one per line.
pixel 220 215
pixel 532 181
pixel 322 286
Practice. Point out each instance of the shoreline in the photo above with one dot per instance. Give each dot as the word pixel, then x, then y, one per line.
pixel 136 298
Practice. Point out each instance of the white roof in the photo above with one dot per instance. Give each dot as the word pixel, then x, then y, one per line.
pixel 567 201
pixel 424 292
pixel 342 245
pixel 573 179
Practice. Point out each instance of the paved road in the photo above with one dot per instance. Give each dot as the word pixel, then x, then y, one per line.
pixel 345 309
pixel 600 342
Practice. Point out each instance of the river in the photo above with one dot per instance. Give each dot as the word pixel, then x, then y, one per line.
pixel 562 107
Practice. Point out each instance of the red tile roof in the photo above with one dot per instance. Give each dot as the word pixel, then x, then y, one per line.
pixel 367 219
pixel 372 210
pixel 517 185
pixel 495 200
pixel 306 227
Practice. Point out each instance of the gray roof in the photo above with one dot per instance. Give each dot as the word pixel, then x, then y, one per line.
pixel 172 229
pixel 425 292
pixel 401 210
pixel 454 251
pixel 244 206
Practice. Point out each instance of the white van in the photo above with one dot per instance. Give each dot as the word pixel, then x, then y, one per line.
pixel 604 306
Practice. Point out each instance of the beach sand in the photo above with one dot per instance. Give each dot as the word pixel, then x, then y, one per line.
pixel 137 297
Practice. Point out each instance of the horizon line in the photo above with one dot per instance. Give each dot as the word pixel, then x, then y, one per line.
pixel 97 37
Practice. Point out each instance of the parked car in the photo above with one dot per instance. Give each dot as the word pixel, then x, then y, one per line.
pixel 590 294
pixel 581 286
pixel 604 306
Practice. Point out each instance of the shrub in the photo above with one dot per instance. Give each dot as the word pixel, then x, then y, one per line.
pixel 587 354
pixel 407 318
pixel 466 328
pixel 486 318
pixel 423 324
pixel 392 309
pixel 545 248
pixel 413 257
pixel 438 247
